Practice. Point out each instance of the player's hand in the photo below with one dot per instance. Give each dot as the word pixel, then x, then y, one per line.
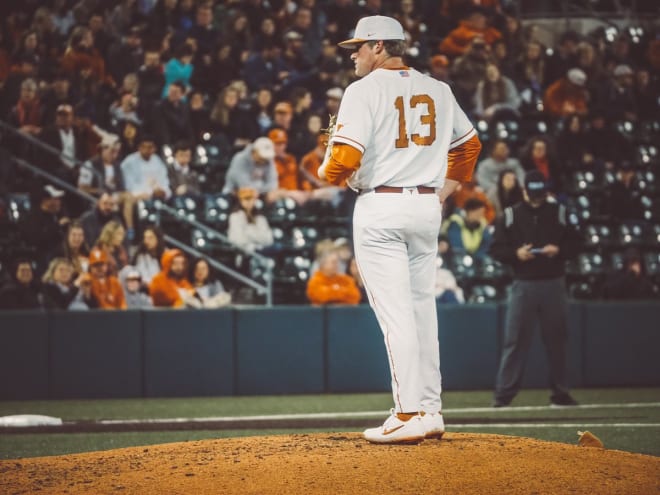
pixel 523 252
pixel 550 250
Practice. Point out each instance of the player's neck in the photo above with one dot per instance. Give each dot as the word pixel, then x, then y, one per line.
pixel 391 63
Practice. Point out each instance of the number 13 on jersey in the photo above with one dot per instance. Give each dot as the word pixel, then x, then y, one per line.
pixel 427 119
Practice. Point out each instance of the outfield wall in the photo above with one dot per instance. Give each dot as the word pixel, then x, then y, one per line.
pixel 295 349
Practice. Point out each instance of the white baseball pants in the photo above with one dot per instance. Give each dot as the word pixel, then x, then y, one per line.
pixel 396 244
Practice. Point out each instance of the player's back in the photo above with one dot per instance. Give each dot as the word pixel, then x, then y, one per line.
pixel 410 118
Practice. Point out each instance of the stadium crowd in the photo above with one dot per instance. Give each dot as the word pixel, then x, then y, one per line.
pixel 133 94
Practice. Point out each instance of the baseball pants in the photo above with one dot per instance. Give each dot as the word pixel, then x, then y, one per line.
pixel 396 242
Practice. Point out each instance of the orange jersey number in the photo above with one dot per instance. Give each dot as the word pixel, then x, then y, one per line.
pixel 427 119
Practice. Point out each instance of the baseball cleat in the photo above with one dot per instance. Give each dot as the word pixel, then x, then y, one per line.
pixel 398 428
pixel 434 425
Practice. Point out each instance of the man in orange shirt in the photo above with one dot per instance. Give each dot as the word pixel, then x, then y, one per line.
pixel 170 287
pixel 475 24
pixel 568 95
pixel 106 288
pixel 329 286
pixel 287 167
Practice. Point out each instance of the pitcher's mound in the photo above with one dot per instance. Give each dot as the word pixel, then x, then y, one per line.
pixel 339 463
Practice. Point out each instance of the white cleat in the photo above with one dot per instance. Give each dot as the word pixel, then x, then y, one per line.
pixel 397 430
pixel 434 425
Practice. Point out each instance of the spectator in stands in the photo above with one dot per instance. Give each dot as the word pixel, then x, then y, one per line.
pixel 507 192
pixel 60 92
pixel 474 25
pixel 93 220
pixel 567 95
pixel 248 228
pixel 170 287
pixel 81 57
pixel 70 140
pixel 151 82
pixel 204 33
pixel 264 68
pixel 208 290
pixel 43 228
pixel 465 191
pixel 283 115
pixel 310 163
pixel 170 119
pixel 183 180
pixel 149 253
pixel 163 18
pixel 468 231
pixel 572 146
pixel 230 120
pixel 21 292
pixel 328 285
pixel 111 240
pixel 253 167
pixel 498 160
pixel 619 97
pixel 200 120
pixel 74 248
pixel 85 298
pixel 529 69
pixel 145 174
pixel 216 70
pixel 563 57
pixel 646 95
pixel 286 164
pixel 262 111
pixel 537 256
pixel 630 282
pixel 239 35
pixel 623 196
pixel 538 154
pixel 131 282
pixel 125 55
pixel 123 16
pixel 439 68
pixel 125 108
pixel 58 288
pixel 106 288
pixel 467 70
pixel 179 69
pixel 27 115
pixel 24 68
pixel 496 96
pixel 606 143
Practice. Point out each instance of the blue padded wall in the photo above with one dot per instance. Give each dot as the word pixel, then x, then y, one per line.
pixel 96 354
pixel 23 355
pixel 357 361
pixel 279 350
pixel 468 345
pixel 188 353
pixel 622 344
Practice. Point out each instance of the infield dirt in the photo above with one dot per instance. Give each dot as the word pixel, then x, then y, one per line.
pixel 339 463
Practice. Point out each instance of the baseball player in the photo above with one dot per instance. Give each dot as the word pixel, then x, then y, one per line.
pixel 404 145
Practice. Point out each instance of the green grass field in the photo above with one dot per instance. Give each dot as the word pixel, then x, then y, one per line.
pixel 605 412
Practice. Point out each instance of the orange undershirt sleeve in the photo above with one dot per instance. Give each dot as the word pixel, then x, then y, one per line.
pixel 344 160
pixel 462 160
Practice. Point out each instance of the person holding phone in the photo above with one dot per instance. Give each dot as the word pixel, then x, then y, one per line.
pixel 535 239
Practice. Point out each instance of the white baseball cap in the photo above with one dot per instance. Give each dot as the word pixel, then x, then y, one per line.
pixel 264 148
pixel 374 28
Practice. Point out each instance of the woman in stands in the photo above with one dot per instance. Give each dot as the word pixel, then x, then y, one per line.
pixel 496 96
pixel 75 248
pixel 58 288
pixel 247 228
pixel 148 255
pixel 208 289
pixel 538 154
pixel 506 193
pixel 111 240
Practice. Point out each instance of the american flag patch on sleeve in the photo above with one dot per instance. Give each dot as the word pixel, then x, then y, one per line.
pixel 404 73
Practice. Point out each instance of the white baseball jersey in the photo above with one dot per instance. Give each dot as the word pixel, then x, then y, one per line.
pixel 404 123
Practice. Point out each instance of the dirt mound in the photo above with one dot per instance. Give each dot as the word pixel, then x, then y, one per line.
pixel 339 463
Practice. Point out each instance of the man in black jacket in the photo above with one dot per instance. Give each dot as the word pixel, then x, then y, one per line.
pixel 534 238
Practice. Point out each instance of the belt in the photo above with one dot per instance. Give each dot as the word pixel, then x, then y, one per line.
pixel 393 189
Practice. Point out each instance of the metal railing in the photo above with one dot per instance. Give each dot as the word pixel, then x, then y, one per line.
pixel 267 263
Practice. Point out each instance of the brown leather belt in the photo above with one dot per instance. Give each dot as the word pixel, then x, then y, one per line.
pixel 392 189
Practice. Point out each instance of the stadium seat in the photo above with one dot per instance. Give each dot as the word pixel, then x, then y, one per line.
pixel 484 293
pixel 18 206
pixel 217 208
